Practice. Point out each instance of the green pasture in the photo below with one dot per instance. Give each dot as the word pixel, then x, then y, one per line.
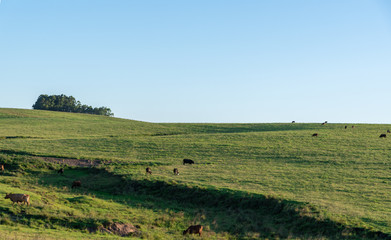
pixel 343 175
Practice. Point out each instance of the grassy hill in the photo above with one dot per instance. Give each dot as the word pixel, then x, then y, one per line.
pixel 250 181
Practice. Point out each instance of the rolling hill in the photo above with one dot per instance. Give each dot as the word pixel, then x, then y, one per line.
pixel 249 181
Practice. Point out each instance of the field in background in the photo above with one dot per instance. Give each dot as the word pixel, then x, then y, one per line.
pixel 340 179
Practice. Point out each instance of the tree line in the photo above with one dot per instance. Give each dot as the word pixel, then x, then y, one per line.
pixel 64 103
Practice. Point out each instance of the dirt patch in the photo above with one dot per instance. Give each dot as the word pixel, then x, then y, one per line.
pixel 73 162
pixel 121 229
pixel 59 160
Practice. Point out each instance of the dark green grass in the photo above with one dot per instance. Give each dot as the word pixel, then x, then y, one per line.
pixel 343 173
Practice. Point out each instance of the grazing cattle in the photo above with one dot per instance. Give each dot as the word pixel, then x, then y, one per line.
pixel 2 167
pixel 388 131
pixel 323 123
pixel 61 171
pixel 176 172
pixel 315 135
pixel 352 126
pixel 193 230
pixel 76 184
pixel 24 198
pixel 346 127
pixel 383 135
pixel 188 161
pixel 293 122
pixel 148 170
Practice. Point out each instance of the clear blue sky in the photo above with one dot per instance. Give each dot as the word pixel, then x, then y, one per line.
pixel 202 60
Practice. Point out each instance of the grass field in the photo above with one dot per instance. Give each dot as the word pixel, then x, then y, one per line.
pixel 250 181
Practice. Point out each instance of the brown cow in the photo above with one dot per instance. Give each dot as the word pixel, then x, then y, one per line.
pixel 2 167
pixel 76 184
pixel 193 230
pixel 24 198
pixel 148 170
pixel 176 172
pixel 315 135
pixel 352 126
pixel 383 135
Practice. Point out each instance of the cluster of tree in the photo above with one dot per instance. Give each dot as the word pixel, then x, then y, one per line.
pixel 64 103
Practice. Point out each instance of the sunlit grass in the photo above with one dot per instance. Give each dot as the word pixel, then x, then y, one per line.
pixel 343 172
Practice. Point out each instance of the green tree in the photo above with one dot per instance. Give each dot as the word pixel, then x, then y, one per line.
pixel 65 103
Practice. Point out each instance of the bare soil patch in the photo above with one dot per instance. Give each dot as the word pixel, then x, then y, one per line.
pixel 121 229
pixel 73 162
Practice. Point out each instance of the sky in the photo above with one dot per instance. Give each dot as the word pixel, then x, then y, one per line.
pixel 232 61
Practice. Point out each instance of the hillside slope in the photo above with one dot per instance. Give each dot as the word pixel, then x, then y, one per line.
pixel 340 177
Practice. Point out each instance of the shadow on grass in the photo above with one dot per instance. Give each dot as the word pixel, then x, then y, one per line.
pixel 245 128
pixel 19 215
pixel 241 214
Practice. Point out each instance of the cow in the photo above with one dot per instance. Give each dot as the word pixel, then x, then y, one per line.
pixel 323 123
pixel 315 135
pixel 2 167
pixel 382 135
pixel 24 198
pixel 388 131
pixel 76 184
pixel 188 161
pixel 148 170
pixel 61 171
pixel 176 172
pixel 193 230
pixel 346 127
pixel 352 126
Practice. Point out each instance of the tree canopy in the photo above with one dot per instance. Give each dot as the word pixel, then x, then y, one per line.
pixel 65 103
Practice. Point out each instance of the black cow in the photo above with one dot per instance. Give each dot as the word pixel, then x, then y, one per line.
pixel 315 135
pixel 383 135
pixel 148 170
pixel 188 161
pixel 388 131
pixel 346 127
pixel 61 171
pixel 176 172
